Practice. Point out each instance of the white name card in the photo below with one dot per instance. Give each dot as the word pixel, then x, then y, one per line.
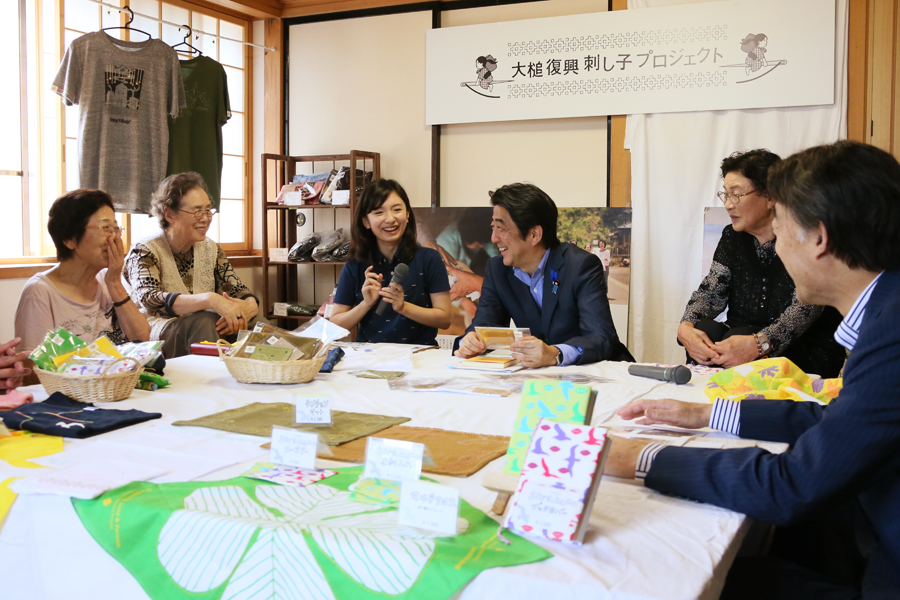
pixel 280 309
pixel 546 508
pixel 429 506
pixel 293 448
pixel 278 254
pixel 394 460
pixel 314 409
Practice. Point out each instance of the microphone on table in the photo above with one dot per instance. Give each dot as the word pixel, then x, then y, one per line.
pixel 399 274
pixel 679 374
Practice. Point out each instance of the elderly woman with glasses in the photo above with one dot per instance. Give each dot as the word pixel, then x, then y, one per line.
pixel 180 278
pixel 83 293
pixel 764 317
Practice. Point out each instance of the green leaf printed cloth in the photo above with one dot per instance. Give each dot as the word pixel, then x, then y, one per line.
pixel 245 538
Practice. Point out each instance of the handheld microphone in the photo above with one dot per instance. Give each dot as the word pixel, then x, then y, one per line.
pixel 679 374
pixel 399 274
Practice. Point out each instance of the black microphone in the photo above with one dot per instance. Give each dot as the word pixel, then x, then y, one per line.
pixel 679 374
pixel 399 274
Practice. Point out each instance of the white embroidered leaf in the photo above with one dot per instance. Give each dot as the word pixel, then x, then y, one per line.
pixel 279 565
pixel 200 550
pixel 383 562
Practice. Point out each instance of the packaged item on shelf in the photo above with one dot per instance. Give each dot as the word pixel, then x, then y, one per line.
pixel 325 197
pixel 341 195
pixel 304 247
pixel 327 309
pixel 340 253
pixel 311 186
pixel 327 188
pixel 290 195
pixel 56 343
pixel 301 310
pixel 329 243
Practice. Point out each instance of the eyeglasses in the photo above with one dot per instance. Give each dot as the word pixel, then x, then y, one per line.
pixel 734 198
pixel 200 213
pixel 107 230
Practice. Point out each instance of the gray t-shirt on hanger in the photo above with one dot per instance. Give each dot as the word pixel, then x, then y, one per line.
pixel 125 90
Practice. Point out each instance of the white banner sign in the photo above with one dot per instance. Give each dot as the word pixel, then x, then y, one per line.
pixel 691 57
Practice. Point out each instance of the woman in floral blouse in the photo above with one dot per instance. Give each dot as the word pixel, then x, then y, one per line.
pixel 182 280
pixel 747 278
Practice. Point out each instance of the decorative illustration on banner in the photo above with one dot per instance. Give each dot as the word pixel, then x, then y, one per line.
pixel 667 59
pixel 244 538
pixel 484 67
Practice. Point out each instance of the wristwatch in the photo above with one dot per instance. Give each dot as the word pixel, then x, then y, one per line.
pixel 762 344
pixel 559 356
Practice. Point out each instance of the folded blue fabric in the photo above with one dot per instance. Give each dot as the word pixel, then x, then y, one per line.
pixel 334 357
pixel 62 416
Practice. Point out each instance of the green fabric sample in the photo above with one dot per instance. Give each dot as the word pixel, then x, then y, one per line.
pixel 258 418
pixel 244 538
pixel 558 401
pixel 195 137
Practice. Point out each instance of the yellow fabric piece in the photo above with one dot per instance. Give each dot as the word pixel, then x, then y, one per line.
pixel 23 445
pixel 7 497
pixel 771 379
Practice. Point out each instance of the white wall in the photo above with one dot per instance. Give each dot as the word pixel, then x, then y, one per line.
pixel 564 157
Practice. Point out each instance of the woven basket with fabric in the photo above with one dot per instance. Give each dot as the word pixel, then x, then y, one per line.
pixel 248 370
pixel 106 387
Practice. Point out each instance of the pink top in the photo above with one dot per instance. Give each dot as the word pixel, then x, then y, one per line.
pixel 42 307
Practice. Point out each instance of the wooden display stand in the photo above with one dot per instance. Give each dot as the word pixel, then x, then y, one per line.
pixel 279 222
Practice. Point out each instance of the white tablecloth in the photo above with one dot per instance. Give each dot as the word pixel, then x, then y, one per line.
pixel 641 544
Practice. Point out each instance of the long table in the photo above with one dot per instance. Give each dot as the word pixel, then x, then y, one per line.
pixel 642 544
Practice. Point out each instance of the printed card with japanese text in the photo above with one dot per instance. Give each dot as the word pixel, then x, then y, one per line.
pixel 315 410
pixel 395 460
pixel 429 506
pixel 293 448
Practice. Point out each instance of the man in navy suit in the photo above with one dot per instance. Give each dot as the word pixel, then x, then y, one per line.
pixel 838 233
pixel 556 290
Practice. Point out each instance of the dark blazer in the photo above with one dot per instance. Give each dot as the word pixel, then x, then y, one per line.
pixel 847 451
pixel 576 313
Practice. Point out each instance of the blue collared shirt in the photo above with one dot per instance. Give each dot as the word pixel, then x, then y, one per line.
pixel 848 331
pixel 535 285
pixel 726 414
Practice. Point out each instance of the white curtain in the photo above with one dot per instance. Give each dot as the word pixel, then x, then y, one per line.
pixel 674 174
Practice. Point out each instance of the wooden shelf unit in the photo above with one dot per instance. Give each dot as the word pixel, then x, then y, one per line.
pixel 281 281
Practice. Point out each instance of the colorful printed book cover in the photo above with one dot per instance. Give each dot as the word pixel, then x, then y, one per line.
pixel 559 480
pixel 559 401
pixel 245 538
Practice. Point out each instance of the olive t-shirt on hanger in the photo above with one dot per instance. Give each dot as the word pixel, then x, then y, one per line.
pixel 125 91
pixel 195 136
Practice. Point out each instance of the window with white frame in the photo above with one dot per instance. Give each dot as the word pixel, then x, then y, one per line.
pixel 44 162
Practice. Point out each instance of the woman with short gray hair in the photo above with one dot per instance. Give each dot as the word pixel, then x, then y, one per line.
pixel 182 280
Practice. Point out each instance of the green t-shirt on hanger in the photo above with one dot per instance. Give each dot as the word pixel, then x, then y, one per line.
pixel 195 137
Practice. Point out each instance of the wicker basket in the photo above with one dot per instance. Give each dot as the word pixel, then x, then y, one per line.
pixel 248 370
pixel 107 387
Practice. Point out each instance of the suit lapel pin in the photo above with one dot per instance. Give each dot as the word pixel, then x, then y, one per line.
pixel 554 279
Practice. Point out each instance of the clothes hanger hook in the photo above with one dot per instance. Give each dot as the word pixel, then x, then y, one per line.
pixel 130 15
